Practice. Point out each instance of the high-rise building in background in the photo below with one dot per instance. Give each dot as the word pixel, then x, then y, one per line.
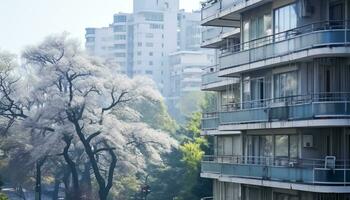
pixel 186 69
pixel 189 31
pixel 281 126
pixel 140 43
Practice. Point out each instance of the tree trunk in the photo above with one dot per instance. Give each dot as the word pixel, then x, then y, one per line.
pixel 72 167
pixel 86 186
pixel 56 188
pixel 39 164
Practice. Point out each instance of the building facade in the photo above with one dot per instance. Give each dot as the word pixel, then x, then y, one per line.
pixel 281 130
pixel 139 43
pixel 186 69
pixel 189 31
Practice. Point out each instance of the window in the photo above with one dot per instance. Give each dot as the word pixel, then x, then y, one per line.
pixel 139 44
pixel 90 31
pixel 149 44
pixel 156 26
pixel 90 39
pixel 120 55
pixel 150 54
pixel 139 62
pixel 285 84
pixel 119 46
pixel 119 37
pixel 286 146
pixel 139 53
pixel 149 35
pixel 152 16
pixel 150 63
pixel 119 18
pixel 285 18
pixel 119 28
pixel 281 144
pixel 257 27
pixel 231 95
pixel 149 72
pixel 266 146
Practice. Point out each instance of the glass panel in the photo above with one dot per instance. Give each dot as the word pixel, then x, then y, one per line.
pixel 228 191
pixel 227 146
pixel 246 35
pixel 254 193
pixel 237 149
pixel 286 84
pixel 220 146
pixel 293 146
pixel 285 18
pixel 281 145
pixel 246 89
pixel 266 146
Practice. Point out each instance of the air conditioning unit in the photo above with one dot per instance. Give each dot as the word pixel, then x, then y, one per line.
pixel 308 141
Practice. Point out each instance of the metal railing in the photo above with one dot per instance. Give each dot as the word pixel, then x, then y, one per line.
pixel 212 7
pixel 289 100
pixel 210 121
pixel 313 35
pixel 298 107
pixel 310 171
pixel 211 75
pixel 214 32
pixel 207 198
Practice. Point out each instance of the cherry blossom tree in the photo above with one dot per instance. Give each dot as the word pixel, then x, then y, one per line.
pixel 83 112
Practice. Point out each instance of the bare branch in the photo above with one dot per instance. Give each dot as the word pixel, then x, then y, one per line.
pixel 92 136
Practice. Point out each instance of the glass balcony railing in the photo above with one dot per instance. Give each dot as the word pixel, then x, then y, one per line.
pixel 212 33
pixel 306 171
pixel 210 121
pixel 316 35
pixel 300 107
pixel 211 77
pixel 212 7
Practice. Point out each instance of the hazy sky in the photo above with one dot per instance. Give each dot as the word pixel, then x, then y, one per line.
pixel 24 22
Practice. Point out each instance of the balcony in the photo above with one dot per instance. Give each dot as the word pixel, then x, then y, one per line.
pixel 213 37
pixel 226 13
pixel 211 13
pixel 301 107
pixel 212 82
pixel 210 121
pixel 312 36
pixel 211 77
pixel 303 171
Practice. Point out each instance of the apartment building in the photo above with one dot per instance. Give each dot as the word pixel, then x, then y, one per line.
pixel 189 31
pixel 139 43
pixel 281 129
pixel 185 82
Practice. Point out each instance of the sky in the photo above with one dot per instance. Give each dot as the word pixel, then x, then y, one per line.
pixel 27 22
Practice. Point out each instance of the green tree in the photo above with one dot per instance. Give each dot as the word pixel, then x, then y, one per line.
pixel 180 177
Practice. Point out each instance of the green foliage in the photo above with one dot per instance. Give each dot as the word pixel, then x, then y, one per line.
pixel 155 114
pixel 190 103
pixel 194 124
pixel 3 197
pixel 210 102
pixel 180 177
pixel 192 154
pixel 126 187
